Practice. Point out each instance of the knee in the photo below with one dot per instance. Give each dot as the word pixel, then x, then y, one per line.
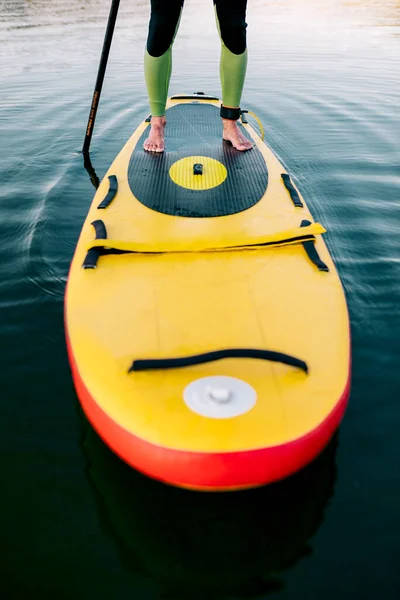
pixel 163 22
pixel 233 27
pixel 234 38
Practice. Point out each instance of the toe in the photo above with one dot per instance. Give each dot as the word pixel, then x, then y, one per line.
pixel 246 143
pixel 151 146
pixel 239 143
pixel 243 147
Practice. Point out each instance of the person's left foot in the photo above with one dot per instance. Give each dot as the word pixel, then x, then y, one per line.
pixel 233 135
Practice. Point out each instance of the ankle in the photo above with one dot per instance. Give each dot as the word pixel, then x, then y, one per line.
pixel 229 124
pixel 158 121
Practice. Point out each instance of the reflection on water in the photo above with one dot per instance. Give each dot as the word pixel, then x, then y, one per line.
pixel 324 79
pixel 207 542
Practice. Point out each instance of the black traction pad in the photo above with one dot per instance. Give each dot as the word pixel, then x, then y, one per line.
pixel 195 129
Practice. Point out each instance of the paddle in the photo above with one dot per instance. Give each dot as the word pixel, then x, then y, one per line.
pixel 100 74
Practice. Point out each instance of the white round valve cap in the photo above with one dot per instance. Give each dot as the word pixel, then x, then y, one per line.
pixel 219 397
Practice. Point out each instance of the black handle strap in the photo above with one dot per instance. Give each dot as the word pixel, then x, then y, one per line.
pixel 292 190
pixel 199 359
pixel 312 253
pixel 194 96
pixel 92 256
pixel 112 192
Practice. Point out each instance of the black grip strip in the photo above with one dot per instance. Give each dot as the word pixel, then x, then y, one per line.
pixel 199 359
pixel 93 254
pixel 112 192
pixel 312 253
pixel 292 190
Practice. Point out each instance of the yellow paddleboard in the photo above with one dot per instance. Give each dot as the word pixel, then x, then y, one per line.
pixel 207 327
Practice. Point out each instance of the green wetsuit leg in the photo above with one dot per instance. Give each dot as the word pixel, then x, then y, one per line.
pixel 163 27
pixel 230 17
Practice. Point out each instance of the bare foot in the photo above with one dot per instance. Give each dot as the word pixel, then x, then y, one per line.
pixel 233 135
pixel 155 141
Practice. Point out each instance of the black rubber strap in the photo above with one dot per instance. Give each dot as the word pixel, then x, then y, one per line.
pixel 292 190
pixel 112 192
pixel 93 254
pixel 199 359
pixel 233 114
pixel 312 253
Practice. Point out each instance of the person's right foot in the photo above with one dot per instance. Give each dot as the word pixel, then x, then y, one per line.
pixel 234 136
pixel 155 141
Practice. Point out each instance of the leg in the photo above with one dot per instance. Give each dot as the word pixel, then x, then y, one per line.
pixel 231 23
pixel 164 23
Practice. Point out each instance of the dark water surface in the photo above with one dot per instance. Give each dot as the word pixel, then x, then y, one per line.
pixel 76 523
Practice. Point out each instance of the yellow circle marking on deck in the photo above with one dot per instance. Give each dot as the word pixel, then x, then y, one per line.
pixel 214 173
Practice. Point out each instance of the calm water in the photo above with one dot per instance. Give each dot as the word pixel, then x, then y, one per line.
pixel 75 522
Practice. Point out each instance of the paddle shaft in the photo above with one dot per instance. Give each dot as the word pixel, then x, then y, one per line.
pixel 100 74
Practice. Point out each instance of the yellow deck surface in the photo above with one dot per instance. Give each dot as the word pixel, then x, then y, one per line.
pixel 182 303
